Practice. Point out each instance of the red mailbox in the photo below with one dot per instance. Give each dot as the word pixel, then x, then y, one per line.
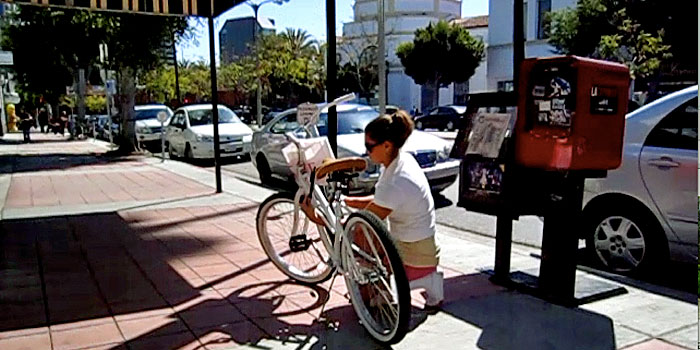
pixel 571 113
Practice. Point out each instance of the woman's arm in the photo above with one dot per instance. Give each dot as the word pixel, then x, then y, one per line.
pixel 367 203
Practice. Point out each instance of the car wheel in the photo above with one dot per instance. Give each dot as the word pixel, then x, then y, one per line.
pixel 188 152
pixel 171 151
pixel 419 125
pixel 264 170
pixel 624 240
pixel 450 126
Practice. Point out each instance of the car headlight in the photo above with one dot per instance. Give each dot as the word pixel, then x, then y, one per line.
pixel 444 153
pixel 204 138
pixel 143 130
pixel 247 138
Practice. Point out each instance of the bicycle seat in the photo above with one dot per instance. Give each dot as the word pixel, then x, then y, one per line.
pixel 350 164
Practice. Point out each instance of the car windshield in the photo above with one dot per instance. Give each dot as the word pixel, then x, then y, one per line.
pixel 350 122
pixel 151 113
pixel 204 116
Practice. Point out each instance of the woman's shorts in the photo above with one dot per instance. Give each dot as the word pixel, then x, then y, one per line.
pixel 423 253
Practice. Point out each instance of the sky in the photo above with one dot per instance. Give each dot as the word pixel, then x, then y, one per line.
pixel 309 15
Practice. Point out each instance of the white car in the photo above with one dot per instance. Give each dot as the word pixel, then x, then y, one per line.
pixel 190 133
pixel 430 151
pixel 146 125
pixel 646 211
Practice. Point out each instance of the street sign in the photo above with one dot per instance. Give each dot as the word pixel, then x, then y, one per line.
pixel 6 58
pixel 111 86
pixel 306 112
pixel 162 116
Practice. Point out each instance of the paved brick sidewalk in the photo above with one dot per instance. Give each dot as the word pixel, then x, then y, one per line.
pixel 128 253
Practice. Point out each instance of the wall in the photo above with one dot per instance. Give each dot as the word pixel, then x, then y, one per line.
pixel 500 38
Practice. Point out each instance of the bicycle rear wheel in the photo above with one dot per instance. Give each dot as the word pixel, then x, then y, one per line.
pixel 375 278
pixel 300 255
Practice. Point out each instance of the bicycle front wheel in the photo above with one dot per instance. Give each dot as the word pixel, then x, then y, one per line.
pixel 375 278
pixel 300 255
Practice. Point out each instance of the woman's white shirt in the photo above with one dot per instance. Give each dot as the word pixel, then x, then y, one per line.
pixel 403 188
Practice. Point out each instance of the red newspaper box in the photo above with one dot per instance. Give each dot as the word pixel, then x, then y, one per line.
pixel 571 113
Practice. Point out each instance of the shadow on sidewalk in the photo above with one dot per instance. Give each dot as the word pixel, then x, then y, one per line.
pixel 62 270
pixel 55 161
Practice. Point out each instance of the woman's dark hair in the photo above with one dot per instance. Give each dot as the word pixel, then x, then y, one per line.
pixel 395 128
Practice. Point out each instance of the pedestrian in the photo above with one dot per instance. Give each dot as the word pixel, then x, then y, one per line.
pixel 414 110
pixel 45 115
pixel 402 194
pixel 26 121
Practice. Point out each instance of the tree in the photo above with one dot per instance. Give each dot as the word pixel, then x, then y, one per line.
pixel 441 54
pixel 51 45
pixel 136 44
pixel 604 29
pixel 290 66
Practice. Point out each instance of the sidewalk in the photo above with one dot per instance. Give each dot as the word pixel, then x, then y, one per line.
pixel 132 253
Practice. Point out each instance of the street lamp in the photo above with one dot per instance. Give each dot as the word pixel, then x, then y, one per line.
pixel 258 92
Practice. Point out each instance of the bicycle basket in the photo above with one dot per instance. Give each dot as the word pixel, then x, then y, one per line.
pixel 315 149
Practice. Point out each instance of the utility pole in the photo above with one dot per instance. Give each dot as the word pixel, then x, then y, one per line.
pixel 331 72
pixel 258 91
pixel 381 61
pixel 177 76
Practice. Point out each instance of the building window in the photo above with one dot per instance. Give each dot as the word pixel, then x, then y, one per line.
pixel 543 7
pixel 505 86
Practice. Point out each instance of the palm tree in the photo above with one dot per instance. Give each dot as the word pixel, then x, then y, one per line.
pixel 299 41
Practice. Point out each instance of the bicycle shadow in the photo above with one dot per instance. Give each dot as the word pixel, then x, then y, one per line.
pixel 476 314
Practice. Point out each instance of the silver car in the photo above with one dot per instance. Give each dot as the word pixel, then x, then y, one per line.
pixel 147 126
pixel 430 151
pixel 646 211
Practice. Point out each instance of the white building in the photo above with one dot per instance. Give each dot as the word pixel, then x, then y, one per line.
pixel 402 18
pixel 500 37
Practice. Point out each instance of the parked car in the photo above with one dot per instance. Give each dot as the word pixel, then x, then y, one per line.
pixel 147 126
pixel 190 133
pixel 430 151
pixel 390 109
pixel 645 212
pixel 441 118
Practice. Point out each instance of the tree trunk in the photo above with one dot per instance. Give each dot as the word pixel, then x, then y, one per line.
pixel 435 86
pixel 127 84
pixel 81 94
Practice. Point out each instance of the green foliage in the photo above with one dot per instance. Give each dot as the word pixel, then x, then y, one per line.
pixel 50 45
pixel 441 54
pixel 290 67
pixel 96 104
pixel 603 29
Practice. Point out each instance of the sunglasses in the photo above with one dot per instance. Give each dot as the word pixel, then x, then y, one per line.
pixel 370 146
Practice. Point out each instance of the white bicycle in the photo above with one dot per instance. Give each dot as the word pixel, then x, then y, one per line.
pixel 354 243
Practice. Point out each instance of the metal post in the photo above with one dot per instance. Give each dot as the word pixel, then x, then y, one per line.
pixel 258 90
pixel 504 239
pixel 162 141
pixel 214 103
pixel 518 42
pixel 177 76
pixel 331 75
pixel 381 62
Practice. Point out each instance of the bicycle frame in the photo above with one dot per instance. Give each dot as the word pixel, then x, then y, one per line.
pixel 330 215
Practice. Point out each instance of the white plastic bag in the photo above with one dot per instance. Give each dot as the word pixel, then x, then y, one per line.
pixel 315 150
